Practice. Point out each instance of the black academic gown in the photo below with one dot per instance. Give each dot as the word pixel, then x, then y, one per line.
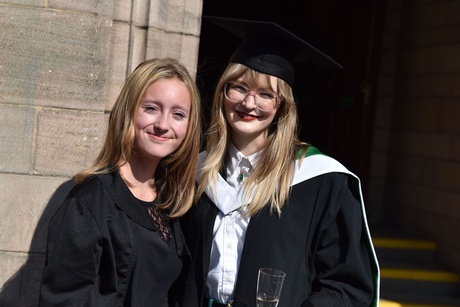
pixel 103 250
pixel 321 242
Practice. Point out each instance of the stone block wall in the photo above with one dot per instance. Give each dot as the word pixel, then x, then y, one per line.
pixel 383 112
pixel 416 155
pixel 61 68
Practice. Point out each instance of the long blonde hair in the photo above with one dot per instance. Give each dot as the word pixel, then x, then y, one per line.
pixel 270 183
pixel 176 173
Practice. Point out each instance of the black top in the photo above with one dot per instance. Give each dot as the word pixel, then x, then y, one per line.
pixel 103 249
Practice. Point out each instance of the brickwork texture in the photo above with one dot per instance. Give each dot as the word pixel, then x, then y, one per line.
pixel 416 154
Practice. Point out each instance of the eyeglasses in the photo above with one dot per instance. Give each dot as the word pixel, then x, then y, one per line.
pixel 265 100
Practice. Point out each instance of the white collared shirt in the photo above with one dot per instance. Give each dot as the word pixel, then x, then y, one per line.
pixel 229 232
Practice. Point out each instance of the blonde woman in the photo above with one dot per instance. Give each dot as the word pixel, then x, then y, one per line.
pixel 267 200
pixel 116 240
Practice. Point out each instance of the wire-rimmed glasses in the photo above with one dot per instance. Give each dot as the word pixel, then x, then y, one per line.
pixel 266 101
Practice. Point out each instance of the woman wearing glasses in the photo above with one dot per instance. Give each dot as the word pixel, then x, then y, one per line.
pixel 266 199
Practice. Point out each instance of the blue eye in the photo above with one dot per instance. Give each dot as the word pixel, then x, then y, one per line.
pixel 239 88
pixel 266 95
pixel 180 115
pixel 149 109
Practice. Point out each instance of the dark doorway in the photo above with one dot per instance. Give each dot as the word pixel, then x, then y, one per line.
pixel 334 112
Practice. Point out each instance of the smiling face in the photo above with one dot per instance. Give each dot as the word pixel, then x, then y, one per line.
pixel 161 120
pixel 248 123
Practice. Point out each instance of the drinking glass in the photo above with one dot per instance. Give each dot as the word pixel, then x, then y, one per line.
pixel 269 284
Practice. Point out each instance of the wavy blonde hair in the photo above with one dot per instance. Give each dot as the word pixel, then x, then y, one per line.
pixel 270 183
pixel 176 173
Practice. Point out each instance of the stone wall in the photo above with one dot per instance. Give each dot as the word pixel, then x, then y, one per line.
pixel 416 152
pixel 62 66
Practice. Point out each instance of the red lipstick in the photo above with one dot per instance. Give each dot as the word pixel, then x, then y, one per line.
pixel 246 116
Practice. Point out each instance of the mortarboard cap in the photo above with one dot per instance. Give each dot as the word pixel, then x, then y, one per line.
pixel 271 49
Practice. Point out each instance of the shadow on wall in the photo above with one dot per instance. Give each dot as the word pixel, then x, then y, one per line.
pixel 23 288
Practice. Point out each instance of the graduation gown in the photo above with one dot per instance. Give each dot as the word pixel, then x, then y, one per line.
pixel 321 241
pixel 103 250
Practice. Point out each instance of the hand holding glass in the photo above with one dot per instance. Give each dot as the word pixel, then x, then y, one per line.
pixel 269 285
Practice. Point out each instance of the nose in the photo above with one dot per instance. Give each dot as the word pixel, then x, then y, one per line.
pixel 162 122
pixel 248 102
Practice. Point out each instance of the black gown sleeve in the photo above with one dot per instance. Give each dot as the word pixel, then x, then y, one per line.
pixel 341 266
pixel 74 251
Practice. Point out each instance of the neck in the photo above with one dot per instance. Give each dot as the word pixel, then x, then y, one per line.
pixel 249 145
pixel 139 175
